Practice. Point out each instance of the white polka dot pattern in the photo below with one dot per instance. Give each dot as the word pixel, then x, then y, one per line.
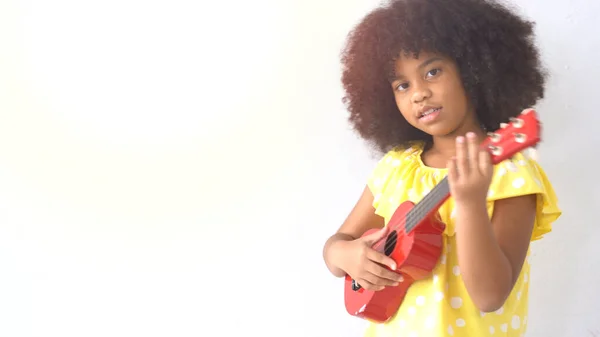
pixel 456 302
pixel 516 322
pixel 429 322
pixel 518 182
pixel 440 305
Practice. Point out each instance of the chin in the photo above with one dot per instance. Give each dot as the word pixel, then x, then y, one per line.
pixel 439 130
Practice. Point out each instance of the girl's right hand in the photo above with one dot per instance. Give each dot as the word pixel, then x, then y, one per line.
pixel 368 266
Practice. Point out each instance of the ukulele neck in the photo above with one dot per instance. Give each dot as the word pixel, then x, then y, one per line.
pixel 428 205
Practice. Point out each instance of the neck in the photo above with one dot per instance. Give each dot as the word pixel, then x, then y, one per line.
pixel 446 145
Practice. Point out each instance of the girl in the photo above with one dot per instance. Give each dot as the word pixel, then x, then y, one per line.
pixel 425 80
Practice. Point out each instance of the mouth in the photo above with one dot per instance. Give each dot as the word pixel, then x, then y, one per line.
pixel 426 111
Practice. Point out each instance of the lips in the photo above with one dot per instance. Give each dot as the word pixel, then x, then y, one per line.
pixel 427 110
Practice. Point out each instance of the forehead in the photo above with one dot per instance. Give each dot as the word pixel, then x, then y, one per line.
pixel 409 62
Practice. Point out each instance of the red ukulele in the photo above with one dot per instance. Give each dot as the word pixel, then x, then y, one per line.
pixel 415 237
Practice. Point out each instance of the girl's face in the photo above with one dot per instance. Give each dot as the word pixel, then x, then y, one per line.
pixel 430 95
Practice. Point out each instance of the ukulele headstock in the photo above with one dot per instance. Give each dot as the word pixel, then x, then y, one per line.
pixel 520 133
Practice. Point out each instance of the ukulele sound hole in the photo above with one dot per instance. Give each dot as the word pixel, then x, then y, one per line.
pixel 390 243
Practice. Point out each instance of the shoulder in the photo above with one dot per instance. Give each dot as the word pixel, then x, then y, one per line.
pixel 394 172
pixel 398 158
pixel 518 175
pixel 523 176
pixel 409 151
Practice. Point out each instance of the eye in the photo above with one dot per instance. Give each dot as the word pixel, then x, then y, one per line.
pixel 402 86
pixel 434 72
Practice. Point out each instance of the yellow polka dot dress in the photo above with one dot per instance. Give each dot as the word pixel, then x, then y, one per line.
pixel 440 305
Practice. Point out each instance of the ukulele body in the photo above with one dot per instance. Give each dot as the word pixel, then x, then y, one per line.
pixel 416 254
pixel 415 238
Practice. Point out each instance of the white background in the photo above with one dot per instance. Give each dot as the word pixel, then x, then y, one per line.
pixel 173 168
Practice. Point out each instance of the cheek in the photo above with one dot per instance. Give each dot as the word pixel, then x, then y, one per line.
pixel 457 96
pixel 405 108
pixel 460 102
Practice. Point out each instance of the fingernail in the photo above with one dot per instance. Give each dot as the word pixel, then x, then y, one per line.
pixel 460 139
pixel 471 134
pixel 393 267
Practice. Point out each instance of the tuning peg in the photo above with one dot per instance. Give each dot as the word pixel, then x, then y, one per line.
pixel 494 137
pixel 520 137
pixel 516 122
pixel 496 150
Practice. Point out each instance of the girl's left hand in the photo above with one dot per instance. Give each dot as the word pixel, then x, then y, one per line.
pixel 470 172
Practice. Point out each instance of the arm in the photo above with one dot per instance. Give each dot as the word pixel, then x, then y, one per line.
pixel 361 218
pixel 491 252
pixel 348 252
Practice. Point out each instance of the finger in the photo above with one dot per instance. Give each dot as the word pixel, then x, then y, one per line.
pixel 385 274
pixel 461 157
pixel 473 155
pixel 485 163
pixel 369 285
pixel 380 258
pixel 372 238
pixel 378 281
pixel 452 174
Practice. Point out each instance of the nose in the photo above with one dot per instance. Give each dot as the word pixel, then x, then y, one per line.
pixel 420 92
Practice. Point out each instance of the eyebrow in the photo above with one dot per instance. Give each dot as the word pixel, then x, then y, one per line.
pixel 396 77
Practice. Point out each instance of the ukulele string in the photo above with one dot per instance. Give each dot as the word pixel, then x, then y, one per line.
pixel 411 221
pixel 408 224
pixel 415 214
pixel 426 202
pixel 419 212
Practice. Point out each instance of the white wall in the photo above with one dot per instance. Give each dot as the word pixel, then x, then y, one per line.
pixel 173 168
